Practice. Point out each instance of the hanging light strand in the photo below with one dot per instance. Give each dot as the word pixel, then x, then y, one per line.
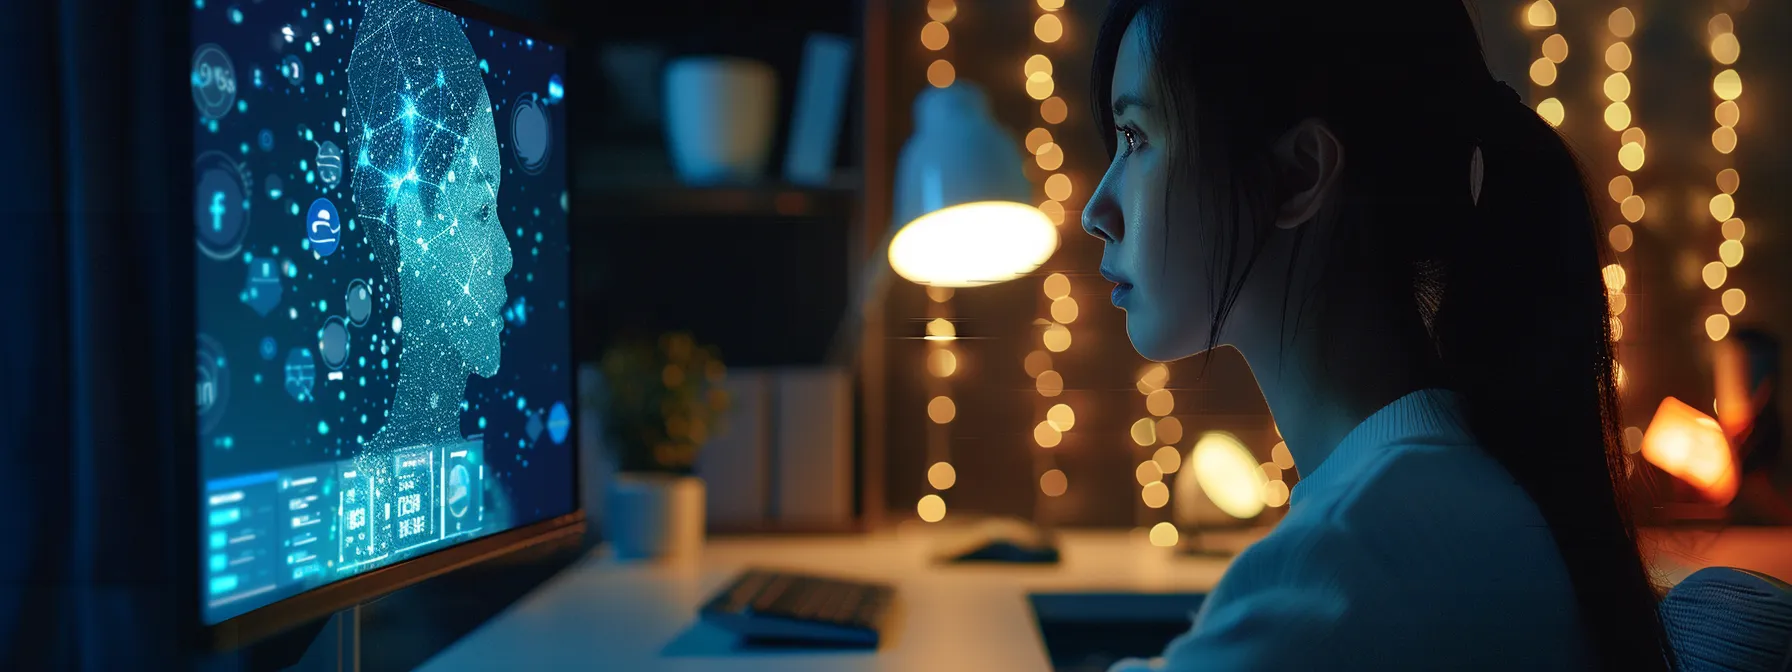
pixel 1061 308
pixel 1726 89
pixel 941 358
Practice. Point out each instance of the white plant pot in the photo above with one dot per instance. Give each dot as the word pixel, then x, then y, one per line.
pixel 654 517
pixel 721 113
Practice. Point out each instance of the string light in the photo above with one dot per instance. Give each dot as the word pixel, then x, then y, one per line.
pixel 940 359
pixel 1726 86
pixel 1061 308
pixel 1633 143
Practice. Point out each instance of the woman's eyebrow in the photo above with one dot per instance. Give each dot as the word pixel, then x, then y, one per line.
pixel 1127 102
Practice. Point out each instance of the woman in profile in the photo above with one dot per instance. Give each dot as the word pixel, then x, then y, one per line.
pixel 1407 256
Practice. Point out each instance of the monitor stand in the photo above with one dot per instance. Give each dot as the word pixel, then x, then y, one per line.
pixel 337 647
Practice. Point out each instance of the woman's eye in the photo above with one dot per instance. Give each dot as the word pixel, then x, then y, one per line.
pixel 1132 139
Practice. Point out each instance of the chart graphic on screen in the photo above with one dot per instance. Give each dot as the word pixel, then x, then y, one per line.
pixel 383 327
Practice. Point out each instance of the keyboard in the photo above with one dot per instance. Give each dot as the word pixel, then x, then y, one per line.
pixel 768 606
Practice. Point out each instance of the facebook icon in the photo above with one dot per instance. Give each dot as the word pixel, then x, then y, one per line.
pixel 323 227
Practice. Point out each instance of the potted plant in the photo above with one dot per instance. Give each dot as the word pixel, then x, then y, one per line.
pixel 662 400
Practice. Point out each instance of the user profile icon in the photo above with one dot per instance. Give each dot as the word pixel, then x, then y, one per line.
pixel 323 227
pixel 329 163
pixel 214 82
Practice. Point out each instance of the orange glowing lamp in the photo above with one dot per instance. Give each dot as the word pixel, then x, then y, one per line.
pixel 1692 447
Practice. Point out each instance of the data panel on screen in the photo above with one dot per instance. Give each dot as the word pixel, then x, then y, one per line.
pixel 384 342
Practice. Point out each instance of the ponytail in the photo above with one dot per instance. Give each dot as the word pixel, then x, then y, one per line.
pixel 1523 328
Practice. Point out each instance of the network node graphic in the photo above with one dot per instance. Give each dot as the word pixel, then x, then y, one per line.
pixel 214 81
pixel 220 205
pixel 269 348
pixel 266 140
pixel 329 163
pixel 301 374
pixel 262 290
pixel 212 388
pixel 530 133
pixel 360 303
pixel 323 227
pixel 292 70
pixel 559 423
pixel 332 342
pixel 534 427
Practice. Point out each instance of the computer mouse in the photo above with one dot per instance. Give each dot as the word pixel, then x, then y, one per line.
pixel 1009 550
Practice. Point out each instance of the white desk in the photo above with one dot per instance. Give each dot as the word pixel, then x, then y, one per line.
pixel 601 615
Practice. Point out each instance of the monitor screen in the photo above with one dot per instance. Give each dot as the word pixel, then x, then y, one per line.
pixel 384 344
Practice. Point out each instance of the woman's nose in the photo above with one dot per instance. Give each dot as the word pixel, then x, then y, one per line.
pixel 1101 217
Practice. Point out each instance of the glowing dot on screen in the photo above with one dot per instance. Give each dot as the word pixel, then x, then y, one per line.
pixel 931 508
pixel 941 476
pixel 521 403
pixel 1163 535
pixel 1053 483
pixel 397 324
pixel 482 422
pixel 323 427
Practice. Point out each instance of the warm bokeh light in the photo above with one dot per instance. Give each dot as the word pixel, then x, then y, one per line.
pixel 1617 87
pixel 1056 286
pixel 1057 187
pixel 941 410
pixel 1051 5
pixel 1037 138
pixel 1054 211
pixel 941 75
pixel 1622 22
pixel 1540 14
pixel 1543 72
pixel 1048 28
pixel 1724 139
pixel 1047 436
pixel 1168 459
pixel 1037 63
pixel 1053 483
pixel 1050 157
pixel 1619 376
pixel 1271 471
pixel 1725 48
pixel 1630 156
pixel 940 294
pixel 1621 237
pixel 1714 274
pixel 1148 472
pixel 1620 188
pixel 1061 417
pixel 1160 403
pixel 1555 48
pixel 1727 85
pixel 1735 402
pixel 1053 110
pixel 1617 116
pixel 1169 430
pixel 1735 230
pixel 973 244
pixel 942 363
pixel 1614 278
pixel 1037 362
pixel 1730 252
pixel 1551 110
pixel 1635 134
pixel 1632 208
pixel 1717 326
pixel 1144 432
pixel 1153 378
pixel 941 329
pixel 1734 301
pixel 1617 56
pixel 1228 474
pixel 1728 113
pixel 1619 301
pixel 1617 327
pixel 1163 535
pixel 1064 310
pixel 934 35
pixel 1690 445
pixel 1723 207
pixel 1056 338
pixel 941 476
pixel 931 508
pixel 942 10
pixel 1633 439
pixel 1728 180
pixel 1275 494
pixel 1156 494
pixel 1049 384
pixel 1720 24
pixel 1281 456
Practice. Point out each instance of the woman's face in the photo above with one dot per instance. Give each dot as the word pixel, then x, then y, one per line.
pixel 1154 255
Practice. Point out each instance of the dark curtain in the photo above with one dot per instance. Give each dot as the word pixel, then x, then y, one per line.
pixel 92 259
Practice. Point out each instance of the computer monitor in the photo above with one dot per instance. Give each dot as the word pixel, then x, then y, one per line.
pixel 384 379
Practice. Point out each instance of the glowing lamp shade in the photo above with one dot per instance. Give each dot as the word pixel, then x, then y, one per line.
pixel 962 203
pixel 1690 446
pixel 1228 474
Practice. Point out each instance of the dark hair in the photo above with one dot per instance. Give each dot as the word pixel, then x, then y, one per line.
pixel 1511 289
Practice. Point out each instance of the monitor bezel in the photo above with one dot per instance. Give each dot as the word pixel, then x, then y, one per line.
pixel 318 603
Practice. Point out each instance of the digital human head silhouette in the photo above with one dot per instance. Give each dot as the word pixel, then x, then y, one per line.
pixel 425 177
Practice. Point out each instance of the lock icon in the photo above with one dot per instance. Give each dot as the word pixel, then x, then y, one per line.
pixel 323 227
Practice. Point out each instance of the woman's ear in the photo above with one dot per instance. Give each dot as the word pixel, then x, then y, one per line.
pixel 1308 159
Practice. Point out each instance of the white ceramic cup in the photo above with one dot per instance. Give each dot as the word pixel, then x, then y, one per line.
pixel 721 113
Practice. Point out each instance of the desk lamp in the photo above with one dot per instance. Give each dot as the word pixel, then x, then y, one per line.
pixel 1222 486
